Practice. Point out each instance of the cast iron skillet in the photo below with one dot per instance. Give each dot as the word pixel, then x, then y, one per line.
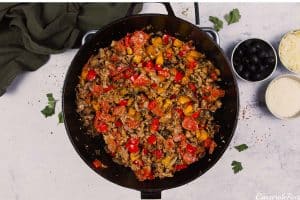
pixel 86 146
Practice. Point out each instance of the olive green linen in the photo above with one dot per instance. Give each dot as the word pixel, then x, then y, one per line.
pixel 30 32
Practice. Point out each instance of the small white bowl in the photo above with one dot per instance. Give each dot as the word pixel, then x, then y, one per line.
pixel 237 74
pixel 268 91
pixel 280 51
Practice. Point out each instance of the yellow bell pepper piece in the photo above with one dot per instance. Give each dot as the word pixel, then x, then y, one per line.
pixel 159 60
pixel 134 156
pixel 184 99
pixel 167 104
pixel 157 41
pixel 131 112
pixel 177 43
pixel 195 54
pixel 137 59
pixel 201 135
pixel 151 51
pixel 166 161
pixel 96 106
pixel 130 101
pixel 185 80
pixel 129 50
pixel 160 90
pixel 188 110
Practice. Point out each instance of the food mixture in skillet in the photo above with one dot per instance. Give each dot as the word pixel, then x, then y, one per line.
pixel 152 97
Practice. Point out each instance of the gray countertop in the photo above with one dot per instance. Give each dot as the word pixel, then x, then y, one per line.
pixel 39 162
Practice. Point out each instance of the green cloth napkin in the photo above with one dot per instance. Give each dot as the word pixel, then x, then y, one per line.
pixel 30 32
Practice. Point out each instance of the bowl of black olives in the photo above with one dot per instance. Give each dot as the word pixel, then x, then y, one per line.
pixel 254 60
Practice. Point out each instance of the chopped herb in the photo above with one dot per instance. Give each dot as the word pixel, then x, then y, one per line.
pixel 236 166
pixel 241 147
pixel 60 118
pixel 50 108
pixel 218 24
pixel 233 16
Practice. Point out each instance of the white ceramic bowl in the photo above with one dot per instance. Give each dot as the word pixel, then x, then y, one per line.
pixel 267 100
pixel 237 74
pixel 280 49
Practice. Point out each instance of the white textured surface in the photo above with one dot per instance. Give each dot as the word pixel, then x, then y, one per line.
pixel 39 162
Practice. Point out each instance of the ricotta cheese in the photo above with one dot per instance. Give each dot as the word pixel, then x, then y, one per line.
pixel 283 97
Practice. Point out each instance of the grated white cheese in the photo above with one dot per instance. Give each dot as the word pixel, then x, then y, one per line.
pixel 283 97
pixel 289 51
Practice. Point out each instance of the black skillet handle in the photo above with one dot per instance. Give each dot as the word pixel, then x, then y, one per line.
pixel 147 195
pixel 167 5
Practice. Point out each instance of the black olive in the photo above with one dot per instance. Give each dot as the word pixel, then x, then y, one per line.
pixel 239 52
pixel 236 60
pixel 253 68
pixel 247 43
pixel 254 59
pixel 252 50
pixel 261 67
pixel 246 60
pixel 239 68
pixel 257 77
pixel 245 75
pixel 258 46
pixel 271 60
pixel 262 54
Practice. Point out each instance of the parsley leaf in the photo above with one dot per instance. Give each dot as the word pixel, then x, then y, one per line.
pixel 60 118
pixel 218 24
pixel 241 147
pixel 50 108
pixel 233 16
pixel 236 166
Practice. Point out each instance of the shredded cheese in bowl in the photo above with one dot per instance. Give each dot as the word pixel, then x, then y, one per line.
pixel 289 50
pixel 283 96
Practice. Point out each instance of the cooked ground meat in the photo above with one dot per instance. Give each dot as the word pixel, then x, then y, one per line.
pixel 152 98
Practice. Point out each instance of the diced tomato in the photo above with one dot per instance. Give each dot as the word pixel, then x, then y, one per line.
pixel 154 85
pixel 91 75
pixel 119 110
pixel 151 139
pixel 158 67
pixel 108 88
pixel 114 58
pixel 97 89
pixel 190 124
pixel 139 38
pixel 214 76
pixel 134 77
pixel 192 86
pixel 154 125
pixel 123 102
pixel 100 126
pixel 152 105
pixel 141 80
pixel 127 40
pixel 180 167
pixel 145 151
pixel 182 53
pixel 132 123
pixel 217 93
pixel 165 39
pixel 97 164
pixel 178 77
pixel 195 115
pixel 189 158
pixel 149 66
pixel 169 144
pixel 158 153
pixel 132 145
pixel 192 64
pixel 191 149
pixel 158 112
pixel 104 106
pixel 164 72
pixel 102 116
pixel 180 112
pixel 118 123
pixel 179 137
pixel 207 142
pixel 169 55
pixel 128 73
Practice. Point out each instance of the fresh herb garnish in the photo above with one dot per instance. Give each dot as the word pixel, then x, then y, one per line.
pixel 218 24
pixel 50 108
pixel 241 147
pixel 233 16
pixel 236 166
pixel 60 118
